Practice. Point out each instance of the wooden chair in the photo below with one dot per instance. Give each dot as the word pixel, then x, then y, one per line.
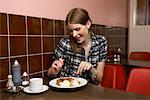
pixel 145 56
pixel 139 81
pixel 114 77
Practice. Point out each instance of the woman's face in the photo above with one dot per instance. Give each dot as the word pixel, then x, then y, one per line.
pixel 79 32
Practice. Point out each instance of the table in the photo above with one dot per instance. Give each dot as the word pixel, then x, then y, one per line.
pixel 137 63
pixel 89 92
pixel 130 64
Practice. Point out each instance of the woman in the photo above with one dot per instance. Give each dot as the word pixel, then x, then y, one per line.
pixel 82 53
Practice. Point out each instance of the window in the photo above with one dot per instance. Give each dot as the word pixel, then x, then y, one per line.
pixel 143 12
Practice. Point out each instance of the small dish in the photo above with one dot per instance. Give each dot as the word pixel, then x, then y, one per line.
pixel 27 90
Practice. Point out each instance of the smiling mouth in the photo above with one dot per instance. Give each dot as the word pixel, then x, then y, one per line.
pixel 77 38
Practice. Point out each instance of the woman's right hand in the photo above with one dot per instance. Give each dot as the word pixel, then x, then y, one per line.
pixel 56 67
pixel 57 64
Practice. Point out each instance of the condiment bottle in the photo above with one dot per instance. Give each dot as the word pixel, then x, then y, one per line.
pixel 115 58
pixel 25 81
pixel 10 83
pixel 119 55
pixel 16 73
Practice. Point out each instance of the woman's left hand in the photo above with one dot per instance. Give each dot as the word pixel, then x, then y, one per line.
pixel 84 66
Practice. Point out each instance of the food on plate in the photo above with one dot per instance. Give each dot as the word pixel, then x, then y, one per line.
pixel 75 83
pixel 67 82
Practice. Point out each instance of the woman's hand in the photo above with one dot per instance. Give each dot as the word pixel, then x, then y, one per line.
pixel 84 66
pixel 56 67
pixel 57 64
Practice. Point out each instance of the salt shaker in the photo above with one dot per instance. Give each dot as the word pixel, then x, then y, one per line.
pixel 25 81
pixel 16 73
pixel 10 83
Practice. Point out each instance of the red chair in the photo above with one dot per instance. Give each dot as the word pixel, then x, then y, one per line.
pixel 139 81
pixel 114 77
pixel 109 77
pixel 121 79
pixel 140 56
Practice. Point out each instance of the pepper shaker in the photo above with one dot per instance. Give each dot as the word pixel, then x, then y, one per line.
pixel 25 81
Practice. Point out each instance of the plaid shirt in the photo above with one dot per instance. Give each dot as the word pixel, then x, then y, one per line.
pixel 97 53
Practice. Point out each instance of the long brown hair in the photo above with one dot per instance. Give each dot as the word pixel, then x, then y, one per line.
pixel 77 16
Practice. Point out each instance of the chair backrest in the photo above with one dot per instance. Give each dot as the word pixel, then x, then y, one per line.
pixel 121 78
pixel 140 56
pixel 109 77
pixel 139 81
pixel 114 77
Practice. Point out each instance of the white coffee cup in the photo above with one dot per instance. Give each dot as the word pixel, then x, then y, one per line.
pixel 36 84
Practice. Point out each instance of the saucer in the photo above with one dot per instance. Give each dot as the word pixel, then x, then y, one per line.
pixel 27 90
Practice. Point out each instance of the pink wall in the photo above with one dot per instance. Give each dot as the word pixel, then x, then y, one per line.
pixel 106 12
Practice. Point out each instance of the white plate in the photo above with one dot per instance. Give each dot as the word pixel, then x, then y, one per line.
pixel 82 81
pixel 27 90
